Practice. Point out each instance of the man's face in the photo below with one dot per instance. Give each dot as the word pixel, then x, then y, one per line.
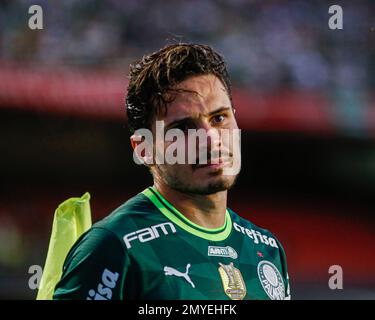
pixel 202 102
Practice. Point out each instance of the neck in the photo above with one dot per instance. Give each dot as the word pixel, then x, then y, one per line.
pixel 207 211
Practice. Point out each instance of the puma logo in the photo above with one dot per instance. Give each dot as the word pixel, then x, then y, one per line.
pixel 169 271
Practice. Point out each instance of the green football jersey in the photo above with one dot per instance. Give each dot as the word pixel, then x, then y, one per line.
pixel 147 249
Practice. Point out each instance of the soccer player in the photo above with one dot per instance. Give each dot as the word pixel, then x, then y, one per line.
pixel 177 239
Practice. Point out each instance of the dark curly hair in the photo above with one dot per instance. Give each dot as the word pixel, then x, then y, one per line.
pixel 153 77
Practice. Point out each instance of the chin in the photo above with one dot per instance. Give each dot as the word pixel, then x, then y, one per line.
pixel 213 186
pixel 203 185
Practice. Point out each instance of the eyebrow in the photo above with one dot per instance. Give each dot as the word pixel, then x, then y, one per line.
pixel 182 120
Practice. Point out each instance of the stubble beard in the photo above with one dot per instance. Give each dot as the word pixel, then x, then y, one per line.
pixel 178 183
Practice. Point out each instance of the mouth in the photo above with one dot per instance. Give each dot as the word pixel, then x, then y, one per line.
pixel 213 164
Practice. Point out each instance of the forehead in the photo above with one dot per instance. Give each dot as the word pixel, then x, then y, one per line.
pixel 203 95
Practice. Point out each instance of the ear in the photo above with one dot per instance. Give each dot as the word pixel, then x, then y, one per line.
pixel 133 141
pixel 234 110
pixel 142 149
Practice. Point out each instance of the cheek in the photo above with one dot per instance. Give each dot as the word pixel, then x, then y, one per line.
pixel 177 170
pixel 232 124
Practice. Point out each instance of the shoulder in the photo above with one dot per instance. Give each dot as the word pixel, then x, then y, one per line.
pixel 136 213
pixel 262 239
pixel 255 233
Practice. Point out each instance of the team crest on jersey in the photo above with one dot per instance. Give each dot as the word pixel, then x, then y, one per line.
pixel 271 280
pixel 231 277
pixel 227 252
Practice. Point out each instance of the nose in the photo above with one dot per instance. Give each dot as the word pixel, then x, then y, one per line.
pixel 213 138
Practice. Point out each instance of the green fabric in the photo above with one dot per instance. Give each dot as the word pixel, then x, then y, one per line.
pixel 178 218
pixel 72 218
pixel 143 251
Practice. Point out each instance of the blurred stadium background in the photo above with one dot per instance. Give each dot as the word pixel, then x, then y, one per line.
pixel 305 101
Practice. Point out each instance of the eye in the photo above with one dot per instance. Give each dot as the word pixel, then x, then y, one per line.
pixel 218 118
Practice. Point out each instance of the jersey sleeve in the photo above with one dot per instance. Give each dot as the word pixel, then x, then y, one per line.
pixel 94 269
pixel 284 271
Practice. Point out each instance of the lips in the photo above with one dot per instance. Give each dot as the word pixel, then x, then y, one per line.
pixel 216 163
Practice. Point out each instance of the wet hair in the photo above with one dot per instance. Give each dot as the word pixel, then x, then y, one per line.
pixel 154 76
